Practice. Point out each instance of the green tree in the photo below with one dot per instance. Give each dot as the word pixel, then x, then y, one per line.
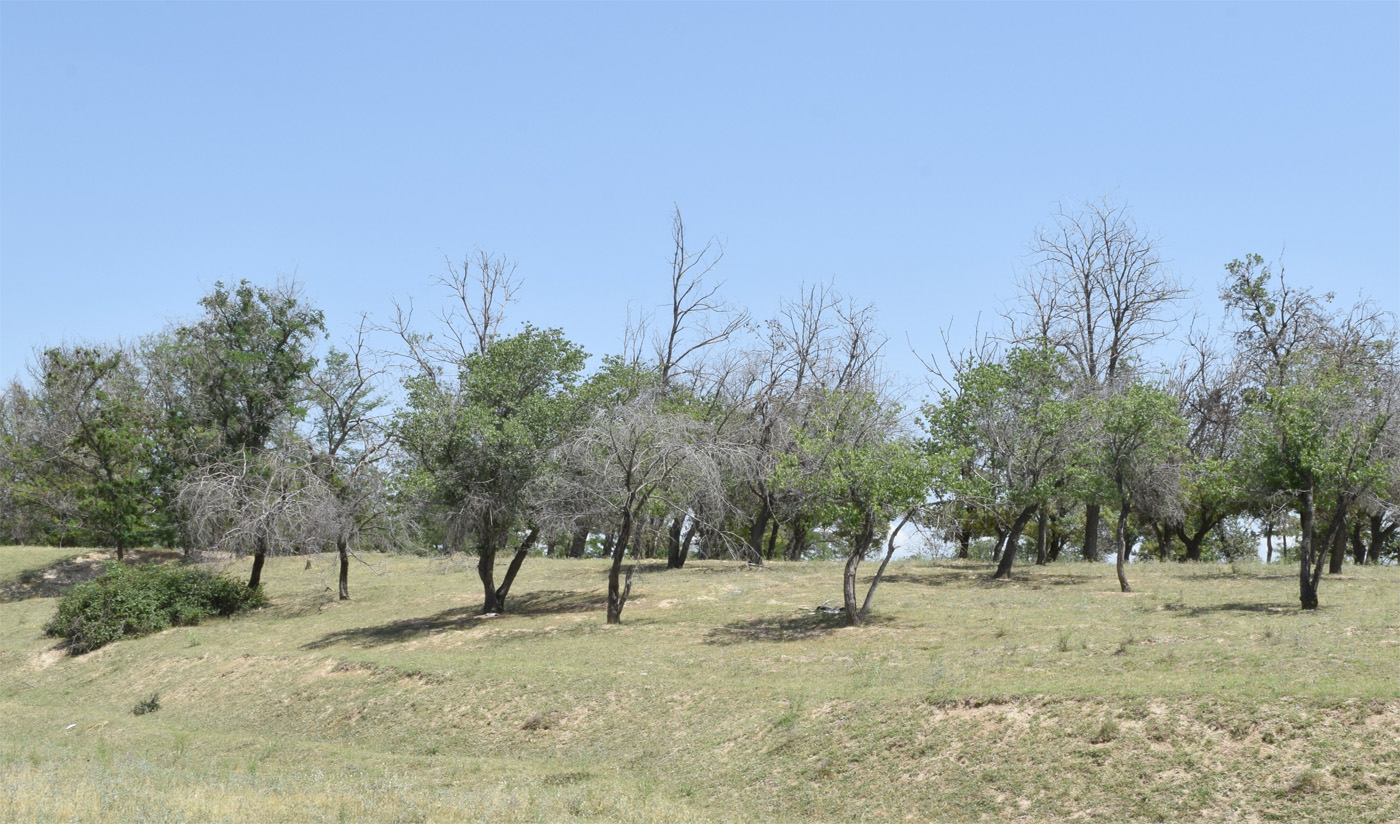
pixel 96 433
pixel 478 446
pixel 860 473
pixel 1132 452
pixel 1002 437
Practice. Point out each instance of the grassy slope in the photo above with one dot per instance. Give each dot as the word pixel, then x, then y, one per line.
pixel 1206 695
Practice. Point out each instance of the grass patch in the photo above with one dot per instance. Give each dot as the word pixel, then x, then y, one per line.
pixel 722 698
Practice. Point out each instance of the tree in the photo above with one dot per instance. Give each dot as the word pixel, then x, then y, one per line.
pixel 94 433
pixel 351 441
pixel 1323 437
pixel 260 503
pixel 860 474
pixel 1004 434
pixel 1209 391
pixel 232 388
pixel 481 443
pixel 1322 388
pixel 1098 291
pixel 1134 449
pixel 640 451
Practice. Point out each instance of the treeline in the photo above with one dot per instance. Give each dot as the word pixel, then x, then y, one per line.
pixel 716 435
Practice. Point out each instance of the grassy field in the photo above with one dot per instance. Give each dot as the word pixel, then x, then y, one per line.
pixel 1206 695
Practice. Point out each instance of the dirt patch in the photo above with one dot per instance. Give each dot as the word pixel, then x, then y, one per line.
pixel 57 578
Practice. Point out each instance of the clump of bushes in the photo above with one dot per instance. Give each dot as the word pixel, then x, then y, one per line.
pixel 130 601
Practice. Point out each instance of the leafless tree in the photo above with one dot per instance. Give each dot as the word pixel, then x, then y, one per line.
pixel 697 317
pixel 263 504
pixel 479 291
pixel 1098 290
pixel 637 457
pixel 352 441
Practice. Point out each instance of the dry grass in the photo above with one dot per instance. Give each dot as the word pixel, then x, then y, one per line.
pixel 1206 695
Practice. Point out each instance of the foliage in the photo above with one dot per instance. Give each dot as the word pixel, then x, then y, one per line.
pixel 130 601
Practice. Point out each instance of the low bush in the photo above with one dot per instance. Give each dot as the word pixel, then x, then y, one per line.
pixel 130 601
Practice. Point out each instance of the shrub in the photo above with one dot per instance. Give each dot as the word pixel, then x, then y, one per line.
pixel 130 601
pixel 147 705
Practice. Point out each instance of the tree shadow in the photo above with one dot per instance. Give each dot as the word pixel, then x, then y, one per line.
pixel 802 627
pixel 983 579
pixel 526 605
pixel 1264 609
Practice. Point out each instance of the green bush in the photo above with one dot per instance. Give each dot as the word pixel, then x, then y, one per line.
pixel 130 601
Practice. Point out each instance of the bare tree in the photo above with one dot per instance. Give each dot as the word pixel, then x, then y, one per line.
pixel 353 439
pixel 261 504
pixel 698 318
pixel 1098 290
pixel 635 457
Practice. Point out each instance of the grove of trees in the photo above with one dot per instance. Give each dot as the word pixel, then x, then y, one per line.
pixel 1096 412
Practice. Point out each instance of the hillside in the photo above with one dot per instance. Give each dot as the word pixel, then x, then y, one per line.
pixel 1204 695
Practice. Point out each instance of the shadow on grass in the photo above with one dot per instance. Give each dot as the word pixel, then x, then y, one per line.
pixel 530 604
pixel 58 577
pixel 1264 609
pixel 984 580
pixel 785 628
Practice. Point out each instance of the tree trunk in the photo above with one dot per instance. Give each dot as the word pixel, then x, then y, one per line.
pixel 1307 584
pixel 609 538
pixel 1268 542
pixel 1121 533
pixel 1008 554
pixel 798 543
pixel 579 543
pixel 617 595
pixel 964 543
pixel 486 571
pixel 1358 546
pixel 1000 544
pixel 1339 551
pixel 772 540
pixel 342 548
pixel 1042 523
pixel 854 616
pixel 1057 545
pixel 673 543
pixel 755 537
pixel 1193 542
pixel 880 573
pixel 1379 536
pixel 259 556
pixel 523 550
pixel 1091 532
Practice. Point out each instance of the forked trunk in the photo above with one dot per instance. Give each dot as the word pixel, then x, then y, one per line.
pixel 578 543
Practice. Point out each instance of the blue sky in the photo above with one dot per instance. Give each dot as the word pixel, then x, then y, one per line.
pixel 907 151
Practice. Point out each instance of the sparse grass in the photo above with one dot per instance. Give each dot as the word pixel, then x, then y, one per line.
pixel 721 698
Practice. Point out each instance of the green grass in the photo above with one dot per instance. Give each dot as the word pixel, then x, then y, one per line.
pixel 16 561
pixel 1204 695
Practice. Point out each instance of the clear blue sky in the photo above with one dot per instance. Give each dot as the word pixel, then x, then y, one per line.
pixel 906 150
